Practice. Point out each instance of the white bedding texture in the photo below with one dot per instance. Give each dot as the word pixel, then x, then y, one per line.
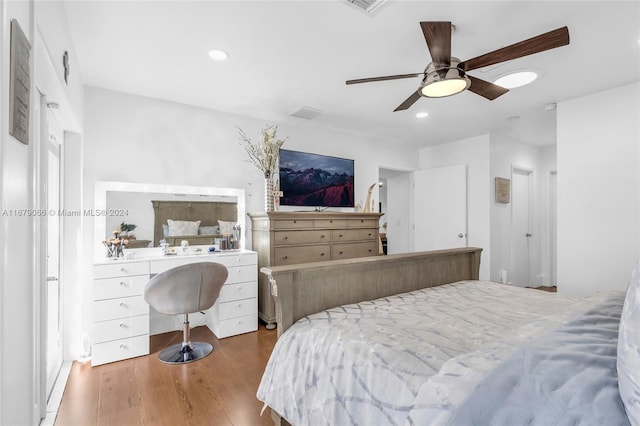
pixel 414 358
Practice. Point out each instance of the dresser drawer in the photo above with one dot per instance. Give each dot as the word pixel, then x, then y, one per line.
pixel 120 269
pixel 238 274
pixel 110 288
pixel 330 223
pixel 124 307
pixel 237 308
pixel 282 238
pixel 353 235
pixel 122 328
pixel 293 224
pixel 351 250
pixel 233 326
pixel 363 223
pixel 231 292
pixel 300 254
pixel 116 350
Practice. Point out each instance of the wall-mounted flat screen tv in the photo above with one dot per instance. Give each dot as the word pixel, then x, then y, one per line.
pixel 315 180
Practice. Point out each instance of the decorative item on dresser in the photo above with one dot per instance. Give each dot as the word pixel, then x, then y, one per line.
pixel 287 238
pixel 264 155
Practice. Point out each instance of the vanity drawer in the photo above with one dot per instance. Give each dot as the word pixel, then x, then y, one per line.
pixel 236 259
pixel 237 308
pixel 352 235
pixel 121 328
pixel 301 254
pixel 282 238
pixel 239 274
pixel 110 288
pixel 231 292
pixel 116 350
pixel 233 326
pixel 120 269
pixel 161 265
pixel 123 307
pixel 363 223
pixel 351 250
pixel 293 224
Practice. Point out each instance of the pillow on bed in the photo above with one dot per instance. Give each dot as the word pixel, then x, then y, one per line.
pixel 165 230
pixel 183 227
pixel 629 349
pixel 226 227
pixel 209 230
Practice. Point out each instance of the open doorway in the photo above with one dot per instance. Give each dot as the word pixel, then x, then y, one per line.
pixel 395 201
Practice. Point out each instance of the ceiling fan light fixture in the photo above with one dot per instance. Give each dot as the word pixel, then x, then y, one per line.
pixel 444 81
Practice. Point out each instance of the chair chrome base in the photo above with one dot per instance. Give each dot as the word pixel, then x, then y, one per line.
pixel 183 354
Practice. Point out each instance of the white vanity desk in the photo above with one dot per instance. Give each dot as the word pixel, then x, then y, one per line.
pixel 122 321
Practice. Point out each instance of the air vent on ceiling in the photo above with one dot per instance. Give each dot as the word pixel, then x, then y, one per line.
pixel 367 6
pixel 306 112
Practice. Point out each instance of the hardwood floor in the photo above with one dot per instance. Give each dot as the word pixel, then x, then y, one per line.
pixel 217 390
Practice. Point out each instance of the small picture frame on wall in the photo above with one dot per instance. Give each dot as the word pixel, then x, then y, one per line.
pixel 503 190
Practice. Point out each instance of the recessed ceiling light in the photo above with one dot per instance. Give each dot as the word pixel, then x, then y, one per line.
pixel 218 55
pixel 516 79
pixel 422 114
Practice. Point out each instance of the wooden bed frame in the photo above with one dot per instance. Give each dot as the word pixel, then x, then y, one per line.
pixel 304 289
pixel 207 212
pixel 307 288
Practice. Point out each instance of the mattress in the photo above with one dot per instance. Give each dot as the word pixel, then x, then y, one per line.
pixel 412 358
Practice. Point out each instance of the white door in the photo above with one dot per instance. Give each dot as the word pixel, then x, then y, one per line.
pixel 521 235
pixel 398 195
pixel 53 290
pixel 440 208
pixel 553 219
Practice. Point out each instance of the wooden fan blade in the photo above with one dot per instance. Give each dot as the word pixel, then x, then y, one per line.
pixel 438 37
pixel 485 89
pixel 388 77
pixel 409 101
pixel 537 44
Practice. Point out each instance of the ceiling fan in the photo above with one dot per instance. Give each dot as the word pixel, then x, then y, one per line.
pixel 447 75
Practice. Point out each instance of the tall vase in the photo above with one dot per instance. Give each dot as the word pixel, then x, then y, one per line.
pixel 268 194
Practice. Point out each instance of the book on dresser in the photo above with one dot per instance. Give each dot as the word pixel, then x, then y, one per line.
pixel 286 238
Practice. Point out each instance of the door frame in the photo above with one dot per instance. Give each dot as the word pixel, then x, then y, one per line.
pixel 530 173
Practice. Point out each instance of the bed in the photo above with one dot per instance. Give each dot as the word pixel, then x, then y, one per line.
pixel 209 214
pixel 417 339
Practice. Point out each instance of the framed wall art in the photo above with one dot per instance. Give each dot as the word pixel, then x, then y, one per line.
pixel 503 190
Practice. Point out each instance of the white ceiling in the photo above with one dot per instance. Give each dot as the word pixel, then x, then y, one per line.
pixel 287 54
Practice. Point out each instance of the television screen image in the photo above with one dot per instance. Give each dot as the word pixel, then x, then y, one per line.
pixel 315 180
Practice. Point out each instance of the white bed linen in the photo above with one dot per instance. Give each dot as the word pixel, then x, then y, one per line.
pixel 422 355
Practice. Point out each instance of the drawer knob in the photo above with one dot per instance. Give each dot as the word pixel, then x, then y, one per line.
pixel 340 235
pixel 123 284
pixel 295 221
pixel 124 270
pixel 239 288
pixel 123 346
pixel 321 254
pixel 370 234
pixel 286 238
pixel 239 305
pixel 123 305
pixel 285 257
pixel 123 325
pixel 370 250
pixel 340 252
pixel 321 236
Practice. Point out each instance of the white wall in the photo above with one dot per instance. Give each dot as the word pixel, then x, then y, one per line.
pixel 20 300
pixel 598 190
pixel 475 153
pixel 131 138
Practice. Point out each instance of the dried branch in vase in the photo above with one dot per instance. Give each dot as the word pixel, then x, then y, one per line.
pixel 264 153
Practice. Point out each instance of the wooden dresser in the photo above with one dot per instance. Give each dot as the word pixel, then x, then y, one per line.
pixel 286 238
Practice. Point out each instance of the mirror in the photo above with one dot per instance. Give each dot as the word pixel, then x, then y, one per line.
pixel 117 202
